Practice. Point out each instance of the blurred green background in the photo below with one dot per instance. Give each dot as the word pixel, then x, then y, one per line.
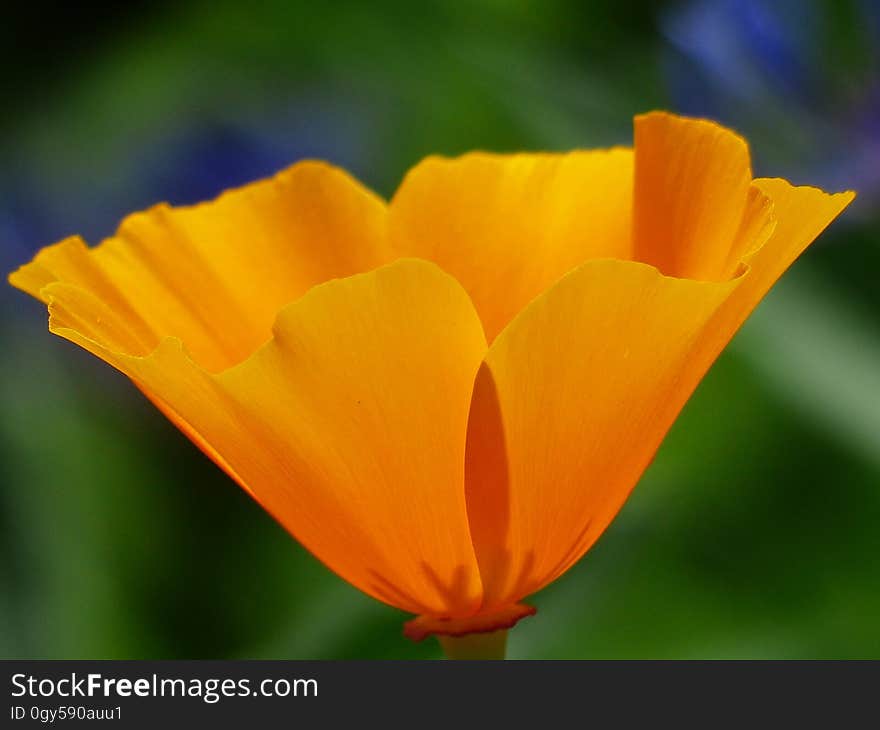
pixel 756 533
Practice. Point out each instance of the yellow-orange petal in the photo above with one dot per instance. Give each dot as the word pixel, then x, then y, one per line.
pixel 575 396
pixel 692 178
pixel 348 426
pixel 799 215
pixel 215 274
pixel 508 226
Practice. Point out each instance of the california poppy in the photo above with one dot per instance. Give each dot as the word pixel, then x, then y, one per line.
pixel 448 397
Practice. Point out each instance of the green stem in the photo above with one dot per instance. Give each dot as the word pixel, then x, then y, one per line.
pixel 492 645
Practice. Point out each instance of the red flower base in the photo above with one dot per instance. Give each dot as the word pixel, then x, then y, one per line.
pixel 424 626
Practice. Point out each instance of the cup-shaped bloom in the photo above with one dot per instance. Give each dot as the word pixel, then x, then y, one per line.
pixel 448 397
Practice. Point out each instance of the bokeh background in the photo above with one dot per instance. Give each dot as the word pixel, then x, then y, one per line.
pixel 756 533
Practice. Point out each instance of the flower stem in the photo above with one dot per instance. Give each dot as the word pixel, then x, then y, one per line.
pixel 491 645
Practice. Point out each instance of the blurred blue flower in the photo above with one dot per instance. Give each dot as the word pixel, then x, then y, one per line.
pixel 767 68
pixel 196 160
pixel 20 222
pixel 216 154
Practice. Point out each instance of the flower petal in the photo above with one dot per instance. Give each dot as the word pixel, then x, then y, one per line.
pixel 801 213
pixel 575 397
pixel 577 393
pixel 692 177
pixel 347 426
pixel 509 226
pixel 216 274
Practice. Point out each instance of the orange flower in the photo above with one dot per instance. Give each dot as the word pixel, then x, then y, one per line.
pixel 446 398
